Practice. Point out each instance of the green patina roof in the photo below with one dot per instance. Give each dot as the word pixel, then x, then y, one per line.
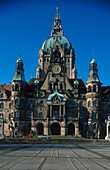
pixel 36 81
pixel 56 93
pixel 19 77
pixel 76 82
pixel 51 41
pixel 93 77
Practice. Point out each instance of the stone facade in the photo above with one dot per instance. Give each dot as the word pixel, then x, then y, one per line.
pixel 56 102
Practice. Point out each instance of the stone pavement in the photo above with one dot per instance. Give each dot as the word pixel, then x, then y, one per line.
pixel 49 156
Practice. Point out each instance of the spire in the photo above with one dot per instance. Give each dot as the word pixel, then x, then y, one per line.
pixel 57 9
pixel 93 60
pixel 20 52
pixel 57 27
pixel 19 73
pixel 57 12
pixel 93 72
pixel 93 53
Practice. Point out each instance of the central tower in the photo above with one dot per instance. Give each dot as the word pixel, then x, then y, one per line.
pixel 56 54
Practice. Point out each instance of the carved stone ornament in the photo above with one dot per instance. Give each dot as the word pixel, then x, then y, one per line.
pixel 56 99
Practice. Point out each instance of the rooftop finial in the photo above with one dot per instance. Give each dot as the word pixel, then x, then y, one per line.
pixel 57 11
pixel 93 53
pixel 57 8
pixel 20 52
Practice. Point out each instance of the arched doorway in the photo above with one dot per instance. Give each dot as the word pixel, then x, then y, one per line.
pixel 40 129
pixel 55 129
pixel 71 129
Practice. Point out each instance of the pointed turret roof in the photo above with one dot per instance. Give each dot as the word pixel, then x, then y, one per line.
pixel 93 72
pixel 19 73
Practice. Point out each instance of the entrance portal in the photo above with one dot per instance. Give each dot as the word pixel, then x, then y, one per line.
pixel 55 129
pixel 71 129
pixel 40 129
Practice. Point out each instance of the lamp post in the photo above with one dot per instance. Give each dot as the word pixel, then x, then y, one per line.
pixel 2 126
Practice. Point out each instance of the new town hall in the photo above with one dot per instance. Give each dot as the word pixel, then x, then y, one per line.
pixel 56 102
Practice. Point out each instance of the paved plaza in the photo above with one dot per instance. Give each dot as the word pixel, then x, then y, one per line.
pixel 49 156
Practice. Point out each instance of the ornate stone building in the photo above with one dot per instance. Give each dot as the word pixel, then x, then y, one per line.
pixel 56 102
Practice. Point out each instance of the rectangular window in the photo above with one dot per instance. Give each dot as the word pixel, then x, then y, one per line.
pixel 16 114
pixel 30 115
pixel 93 115
pixel 15 124
pixel 81 115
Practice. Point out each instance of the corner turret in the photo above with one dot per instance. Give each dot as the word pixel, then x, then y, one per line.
pixel 19 73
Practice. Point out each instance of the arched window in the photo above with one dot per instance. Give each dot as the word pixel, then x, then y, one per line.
pixel 16 87
pixel 55 84
pixel 61 86
pixel 50 86
pixel 1 95
pixel 1 105
pixel 9 116
pixel 40 115
pixel 94 103
pixel 89 104
pixel 16 102
pixel 89 88
pixel 41 104
pixel 10 105
pixel 94 88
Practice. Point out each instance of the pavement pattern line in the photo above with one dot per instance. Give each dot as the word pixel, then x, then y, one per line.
pixel 98 164
pixel 96 153
pixel 65 157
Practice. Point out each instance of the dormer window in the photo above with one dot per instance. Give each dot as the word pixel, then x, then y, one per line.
pixel 94 88
pixel 1 95
pixel 1 105
pixel 89 88
pixel 89 104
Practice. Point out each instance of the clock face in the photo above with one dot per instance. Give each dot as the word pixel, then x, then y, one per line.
pixel 56 69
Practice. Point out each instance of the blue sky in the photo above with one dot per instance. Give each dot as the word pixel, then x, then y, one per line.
pixel 28 23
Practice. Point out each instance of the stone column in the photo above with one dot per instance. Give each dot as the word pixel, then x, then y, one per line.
pixel 45 130
pixel 63 130
pixel 77 129
pixel 52 86
pixel 50 110
pixel 63 110
pixel 60 111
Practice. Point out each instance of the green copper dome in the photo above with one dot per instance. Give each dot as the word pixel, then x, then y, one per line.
pixel 51 41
